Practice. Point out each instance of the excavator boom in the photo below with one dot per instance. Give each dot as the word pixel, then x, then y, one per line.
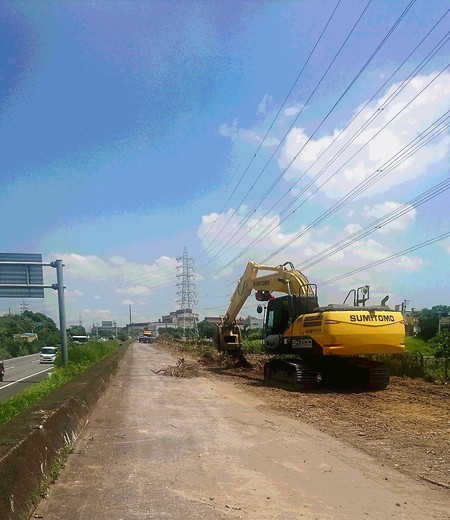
pixel 282 278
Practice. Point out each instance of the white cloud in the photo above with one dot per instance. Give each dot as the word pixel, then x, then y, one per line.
pixel 72 296
pixel 138 290
pixel 349 171
pixel 369 250
pixel 399 224
pixel 446 245
pixel 117 272
pixel 291 111
pixel 95 275
pixel 410 263
pixel 76 292
pixel 117 260
pixel 227 130
pixel 223 273
pixel 98 314
pixel 263 228
pixel 262 107
pixel 323 230
pixel 352 228
pixel 253 136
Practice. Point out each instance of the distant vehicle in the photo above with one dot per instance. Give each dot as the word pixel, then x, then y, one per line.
pixel 146 337
pixel 80 339
pixel 48 354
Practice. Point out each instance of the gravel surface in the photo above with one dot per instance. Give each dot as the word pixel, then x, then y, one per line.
pixel 406 426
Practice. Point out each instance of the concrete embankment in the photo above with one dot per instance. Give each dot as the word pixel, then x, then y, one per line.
pixel 35 444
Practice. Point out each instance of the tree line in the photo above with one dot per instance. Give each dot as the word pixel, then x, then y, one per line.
pixel 26 322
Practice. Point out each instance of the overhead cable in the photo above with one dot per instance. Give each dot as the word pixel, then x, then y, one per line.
pixel 268 228
pixel 380 45
pixel 391 257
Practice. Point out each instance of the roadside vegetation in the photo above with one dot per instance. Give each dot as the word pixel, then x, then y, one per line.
pixel 81 357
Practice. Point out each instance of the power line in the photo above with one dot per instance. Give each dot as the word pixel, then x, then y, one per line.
pixel 400 87
pixel 378 174
pixel 380 45
pixel 379 223
pixel 276 117
pixel 352 194
pixel 391 257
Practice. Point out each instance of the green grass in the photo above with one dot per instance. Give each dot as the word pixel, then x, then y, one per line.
pixel 81 357
pixel 418 345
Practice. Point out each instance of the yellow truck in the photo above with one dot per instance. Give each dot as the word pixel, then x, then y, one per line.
pixel 146 337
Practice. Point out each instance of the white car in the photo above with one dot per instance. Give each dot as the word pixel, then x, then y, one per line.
pixel 48 355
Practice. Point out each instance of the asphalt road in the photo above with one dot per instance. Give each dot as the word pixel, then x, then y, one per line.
pixel 20 373
pixel 200 448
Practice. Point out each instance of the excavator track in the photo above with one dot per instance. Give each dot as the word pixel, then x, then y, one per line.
pixel 376 375
pixel 350 373
pixel 355 373
pixel 292 373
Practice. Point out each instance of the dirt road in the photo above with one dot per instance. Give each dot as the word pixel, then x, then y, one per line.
pixel 167 447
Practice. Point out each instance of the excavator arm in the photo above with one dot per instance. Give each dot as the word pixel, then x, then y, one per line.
pixel 282 278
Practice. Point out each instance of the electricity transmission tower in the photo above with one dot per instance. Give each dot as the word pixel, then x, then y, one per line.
pixel 187 293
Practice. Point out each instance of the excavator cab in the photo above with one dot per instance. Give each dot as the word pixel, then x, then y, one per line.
pixel 282 312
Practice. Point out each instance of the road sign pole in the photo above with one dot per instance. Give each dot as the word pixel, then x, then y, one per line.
pixel 62 310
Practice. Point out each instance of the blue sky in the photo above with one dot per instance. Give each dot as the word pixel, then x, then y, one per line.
pixel 132 129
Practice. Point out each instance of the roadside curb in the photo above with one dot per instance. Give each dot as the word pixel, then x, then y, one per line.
pixel 35 444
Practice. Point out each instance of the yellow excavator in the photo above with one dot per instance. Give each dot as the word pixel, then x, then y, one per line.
pixel 310 343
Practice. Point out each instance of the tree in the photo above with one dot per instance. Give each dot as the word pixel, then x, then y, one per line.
pixel 429 320
pixel 76 330
pixel 176 333
pixel 206 329
pixel 441 346
pixel 28 321
pixel 122 335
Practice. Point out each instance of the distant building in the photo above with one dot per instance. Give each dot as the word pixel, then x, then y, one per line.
pixel 25 336
pixel 181 318
pixel 252 323
pixel 108 329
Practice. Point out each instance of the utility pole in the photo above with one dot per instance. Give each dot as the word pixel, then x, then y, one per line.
pixel 439 320
pixel 187 291
pixel 131 328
